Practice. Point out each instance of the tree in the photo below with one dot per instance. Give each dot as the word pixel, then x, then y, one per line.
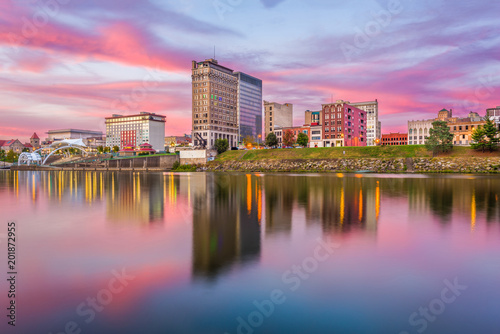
pixel 2 155
pixel 271 140
pixel 288 138
pixel 116 148
pixel 491 134
pixel 248 140
pixel 440 138
pixel 11 156
pixel 107 149
pixel 221 145
pixel 302 139
pixel 479 140
pixel 100 149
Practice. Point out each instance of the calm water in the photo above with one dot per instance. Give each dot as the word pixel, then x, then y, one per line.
pixel 252 253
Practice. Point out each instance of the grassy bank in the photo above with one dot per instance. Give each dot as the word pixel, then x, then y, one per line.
pixel 410 151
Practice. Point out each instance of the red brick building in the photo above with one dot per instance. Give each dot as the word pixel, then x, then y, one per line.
pixel 394 139
pixel 343 125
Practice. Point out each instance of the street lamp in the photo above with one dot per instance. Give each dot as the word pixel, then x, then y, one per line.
pixel 260 136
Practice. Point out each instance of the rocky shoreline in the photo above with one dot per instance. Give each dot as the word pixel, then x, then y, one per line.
pixel 351 165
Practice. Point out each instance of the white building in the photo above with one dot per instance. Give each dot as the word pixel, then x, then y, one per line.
pixel 54 135
pixel 135 130
pixel 494 114
pixel 418 131
pixel 374 127
pixel 277 116
pixel 316 136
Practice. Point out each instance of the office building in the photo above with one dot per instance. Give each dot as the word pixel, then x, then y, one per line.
pixel 249 107
pixel 374 126
pixel 277 116
pixel 343 125
pixel 214 104
pixel 135 130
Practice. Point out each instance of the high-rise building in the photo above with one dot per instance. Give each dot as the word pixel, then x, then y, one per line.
pixel 277 115
pixel 343 125
pixel 373 129
pixel 215 90
pixel 249 107
pixel 135 130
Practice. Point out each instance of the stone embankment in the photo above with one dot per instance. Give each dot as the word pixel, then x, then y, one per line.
pixel 376 165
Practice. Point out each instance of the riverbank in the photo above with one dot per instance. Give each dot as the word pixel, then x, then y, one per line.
pixel 351 165
pixel 386 159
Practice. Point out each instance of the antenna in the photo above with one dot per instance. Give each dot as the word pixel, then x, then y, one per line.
pixel 214 51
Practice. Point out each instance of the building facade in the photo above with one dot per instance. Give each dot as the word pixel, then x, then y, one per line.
pixel 214 104
pixel 316 137
pixel 249 107
pixel 418 131
pixel 313 117
pixel 343 125
pixel 135 130
pixel 13 144
pixel 374 126
pixel 54 135
pixel 35 141
pixel 394 139
pixel 462 128
pixel 494 114
pixel 277 116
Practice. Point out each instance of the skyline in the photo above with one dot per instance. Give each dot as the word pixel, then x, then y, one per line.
pixel 69 64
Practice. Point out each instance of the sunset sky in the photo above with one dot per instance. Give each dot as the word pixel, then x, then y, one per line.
pixel 70 63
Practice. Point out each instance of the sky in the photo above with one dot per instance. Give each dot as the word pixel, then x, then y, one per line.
pixel 70 63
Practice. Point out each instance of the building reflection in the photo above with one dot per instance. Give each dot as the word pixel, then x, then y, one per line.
pixel 136 197
pixel 446 197
pixel 226 223
pixel 350 204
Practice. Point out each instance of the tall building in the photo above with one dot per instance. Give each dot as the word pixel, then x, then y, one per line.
pixel 215 90
pixel 135 130
pixel 277 115
pixel 343 125
pixel 249 107
pixel 373 129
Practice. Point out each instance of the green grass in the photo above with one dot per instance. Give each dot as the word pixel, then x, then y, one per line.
pixel 184 168
pixel 410 151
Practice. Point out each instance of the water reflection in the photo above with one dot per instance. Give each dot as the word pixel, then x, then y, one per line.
pixel 226 223
pixel 399 235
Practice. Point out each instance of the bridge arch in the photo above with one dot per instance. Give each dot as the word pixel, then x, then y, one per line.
pixel 61 148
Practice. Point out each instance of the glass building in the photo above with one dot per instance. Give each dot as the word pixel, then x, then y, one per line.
pixel 249 107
